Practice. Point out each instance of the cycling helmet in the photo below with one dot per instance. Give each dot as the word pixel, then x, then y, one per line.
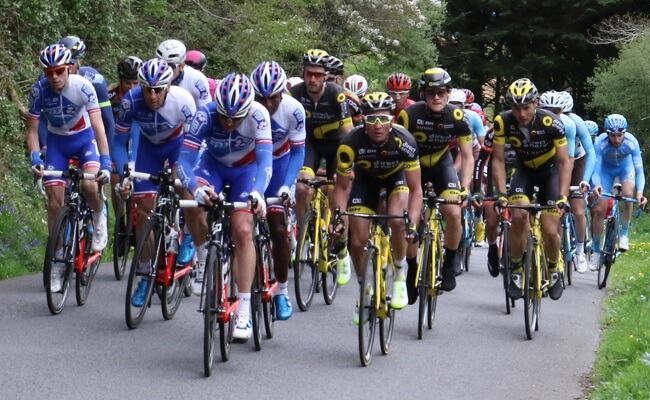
pixel 128 67
pixel 172 51
pixel 398 82
pixel 377 101
pixel 552 99
pixel 469 96
pixel 567 101
pixel 435 77
pixel 357 84
pixel 268 79
pixel 55 55
pixel 521 92
pixel 76 46
pixel 155 72
pixel 615 123
pixel 335 66
pixel 196 60
pixel 316 57
pixel 234 96
pixel 293 81
pixel 457 96
pixel 592 127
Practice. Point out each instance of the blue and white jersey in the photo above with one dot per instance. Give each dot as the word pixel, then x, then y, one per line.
pixel 584 145
pixel 66 112
pixel 162 125
pixel 570 132
pixel 475 123
pixel 196 84
pixel 287 126
pixel 99 83
pixel 610 158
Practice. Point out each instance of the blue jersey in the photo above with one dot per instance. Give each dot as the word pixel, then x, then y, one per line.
pixel 584 146
pixel 570 132
pixel 610 160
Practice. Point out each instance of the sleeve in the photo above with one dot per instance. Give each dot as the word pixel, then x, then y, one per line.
pixel 202 86
pixel 585 140
pixel 595 177
pixel 199 127
pixel 637 160
pixel 483 156
pixel 403 119
pixel 119 153
pixel 109 124
pixel 263 150
pixel 464 132
pixel 123 126
pixel 188 109
pixel 477 125
pixel 570 133
pixel 297 136
pixel 410 151
pixel 134 138
pixel 345 158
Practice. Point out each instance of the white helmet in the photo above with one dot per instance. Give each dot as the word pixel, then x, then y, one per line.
pixel 293 81
pixel 457 96
pixel 172 51
pixel 357 84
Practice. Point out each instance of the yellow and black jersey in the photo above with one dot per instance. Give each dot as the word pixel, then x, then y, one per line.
pixel 399 152
pixel 534 146
pixel 328 115
pixel 433 133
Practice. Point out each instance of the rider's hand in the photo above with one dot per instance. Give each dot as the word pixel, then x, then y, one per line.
pixel 584 187
pixel 104 174
pixel 502 201
pixel 123 190
pixel 336 231
pixel 202 195
pixel 261 204
pixel 285 190
pixel 641 200
pixel 598 190
pixel 37 163
pixel 477 198
pixel 562 204
pixel 411 234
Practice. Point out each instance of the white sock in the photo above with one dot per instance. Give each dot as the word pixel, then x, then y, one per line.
pixel 244 305
pixel 201 253
pixel 581 248
pixel 400 267
pixel 283 288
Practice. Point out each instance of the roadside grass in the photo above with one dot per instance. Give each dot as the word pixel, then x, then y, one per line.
pixel 622 369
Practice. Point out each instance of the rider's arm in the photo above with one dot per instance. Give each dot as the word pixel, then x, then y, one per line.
pixel 637 160
pixel 498 152
pixel 263 149
pixel 345 158
pixel 32 134
pixel 598 151
pixel 465 146
pixel 134 137
pixel 414 183
pixel 190 150
pixel 297 135
pixel 585 139
pixel 482 159
pixel 564 165
pixel 123 126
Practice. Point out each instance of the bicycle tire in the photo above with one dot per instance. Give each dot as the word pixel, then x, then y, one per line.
pixel 265 261
pixel 224 290
pixel 172 296
pixel 256 310
pixel 506 271
pixel 122 237
pixel 84 279
pixel 529 289
pixel 367 311
pixel 432 301
pixel 306 266
pixel 606 255
pixel 210 309
pixel 329 279
pixel 566 251
pixel 63 237
pixel 386 325
pixel 152 241
pixel 423 284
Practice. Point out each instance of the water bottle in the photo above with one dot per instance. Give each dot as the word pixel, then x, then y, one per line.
pixel 171 239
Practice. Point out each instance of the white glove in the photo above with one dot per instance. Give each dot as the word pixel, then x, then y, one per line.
pixel 201 193
pixel 286 190
pixel 260 201
pixel 105 175
pixel 585 184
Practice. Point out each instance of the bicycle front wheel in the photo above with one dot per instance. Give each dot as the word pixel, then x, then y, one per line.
pixel 607 254
pixel 505 264
pixel 151 248
pixel 306 265
pixel 424 284
pixel 329 278
pixel 59 256
pixel 531 288
pixel 432 301
pixel 209 308
pixel 122 237
pixel 85 278
pixel 256 310
pixel 367 310
pixel 387 324
pixel 265 263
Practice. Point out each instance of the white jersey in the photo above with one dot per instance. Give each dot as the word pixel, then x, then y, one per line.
pixel 66 112
pixel 162 125
pixel 287 126
pixel 196 83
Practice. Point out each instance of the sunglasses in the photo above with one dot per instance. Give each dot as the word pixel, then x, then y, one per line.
pixel 270 98
pixel 436 93
pixel 315 74
pixel 156 89
pixel 381 119
pixel 231 119
pixel 52 72
pixel 398 93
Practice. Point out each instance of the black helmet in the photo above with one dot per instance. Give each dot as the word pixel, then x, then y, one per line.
pixel 435 77
pixel 128 67
pixel 76 46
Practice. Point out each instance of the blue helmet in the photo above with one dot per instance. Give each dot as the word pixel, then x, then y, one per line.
pixel 615 123
pixel 234 96
pixel 592 127
pixel 76 46
pixel 155 72
pixel 55 55
pixel 268 79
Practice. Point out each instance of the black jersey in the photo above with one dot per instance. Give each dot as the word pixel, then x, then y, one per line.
pixel 534 145
pixel 399 152
pixel 433 132
pixel 325 118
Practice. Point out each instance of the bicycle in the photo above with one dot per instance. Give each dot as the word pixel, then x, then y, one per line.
pixel 467 237
pixel 535 281
pixel 70 241
pixel 158 242
pixel 315 263
pixel 610 250
pixel 430 257
pixel 219 292
pixel 504 251
pixel 124 232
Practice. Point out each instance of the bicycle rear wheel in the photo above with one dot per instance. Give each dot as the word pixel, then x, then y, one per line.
pixel 268 307
pixel 209 308
pixel 306 265
pixel 567 255
pixel 151 246
pixel 84 279
pixel 256 310
pixel 607 253
pixel 62 240
pixel 367 310
pixel 505 264
pixel 172 296
pixel 225 288
pixel 122 237
pixel 329 278
pixel 531 289
pixel 386 325
pixel 423 284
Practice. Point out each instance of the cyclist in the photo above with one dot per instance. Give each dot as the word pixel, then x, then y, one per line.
pixel 540 144
pixel 199 62
pixel 593 129
pixel 356 84
pixel 335 70
pixel 617 156
pixel 471 105
pixel 164 113
pixel 382 155
pixel 78 50
pixel 294 80
pixel 237 131
pixel 288 132
pixel 398 86
pixel 328 121
pixel 583 168
pixel 127 70
pixel 434 123
pixel 68 103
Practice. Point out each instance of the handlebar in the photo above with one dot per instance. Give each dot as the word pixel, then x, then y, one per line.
pixel 70 175
pixel 315 182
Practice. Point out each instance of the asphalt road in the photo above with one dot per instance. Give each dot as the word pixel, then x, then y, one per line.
pixel 474 351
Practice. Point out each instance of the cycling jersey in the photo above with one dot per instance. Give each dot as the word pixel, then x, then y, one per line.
pixel 476 123
pixel 484 160
pixel 115 95
pixel 570 133
pixel 248 148
pixel 534 145
pixel 584 147
pixel 196 83
pixel 354 105
pixel 624 162
pixel 288 133
pixel 407 103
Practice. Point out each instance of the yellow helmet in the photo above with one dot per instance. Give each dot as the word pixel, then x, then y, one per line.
pixel 521 92
pixel 377 101
pixel 317 57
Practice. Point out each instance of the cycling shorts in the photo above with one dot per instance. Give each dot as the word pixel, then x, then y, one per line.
pixel 211 172
pixel 364 195
pixel 317 149
pixel 151 159
pixel 624 173
pixel 443 176
pixel 525 179
pixel 60 149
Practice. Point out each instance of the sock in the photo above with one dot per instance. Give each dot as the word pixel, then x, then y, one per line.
pixel 244 305
pixel 625 228
pixel 580 248
pixel 283 288
pixel 450 255
pixel 399 268
pixel 595 245
pixel 201 253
